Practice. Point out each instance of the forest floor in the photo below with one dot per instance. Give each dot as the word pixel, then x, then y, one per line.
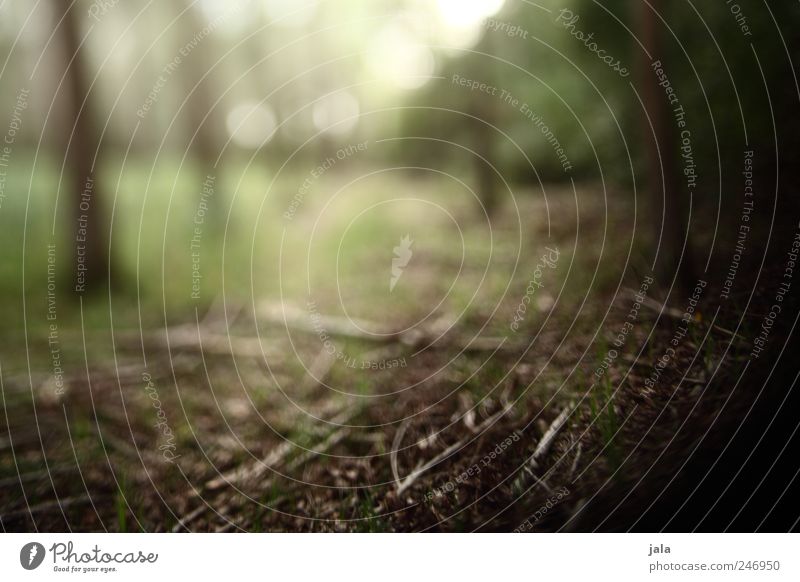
pixel 419 413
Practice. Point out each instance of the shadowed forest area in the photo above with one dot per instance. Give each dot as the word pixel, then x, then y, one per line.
pixel 409 265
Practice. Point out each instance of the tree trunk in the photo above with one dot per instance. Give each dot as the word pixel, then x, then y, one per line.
pixel 90 225
pixel 485 176
pixel 205 145
pixel 484 107
pixel 669 206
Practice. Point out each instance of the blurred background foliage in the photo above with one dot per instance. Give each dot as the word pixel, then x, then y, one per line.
pixel 258 92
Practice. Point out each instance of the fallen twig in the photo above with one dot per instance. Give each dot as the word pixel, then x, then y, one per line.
pixel 664 309
pixel 251 471
pixel 403 484
pixel 188 518
pixel 549 436
pixel 541 449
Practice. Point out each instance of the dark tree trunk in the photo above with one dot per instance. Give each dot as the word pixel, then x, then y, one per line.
pixel 669 201
pixel 90 225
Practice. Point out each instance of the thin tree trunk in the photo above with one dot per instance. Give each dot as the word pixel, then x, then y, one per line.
pixel 670 206
pixel 484 107
pixel 205 144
